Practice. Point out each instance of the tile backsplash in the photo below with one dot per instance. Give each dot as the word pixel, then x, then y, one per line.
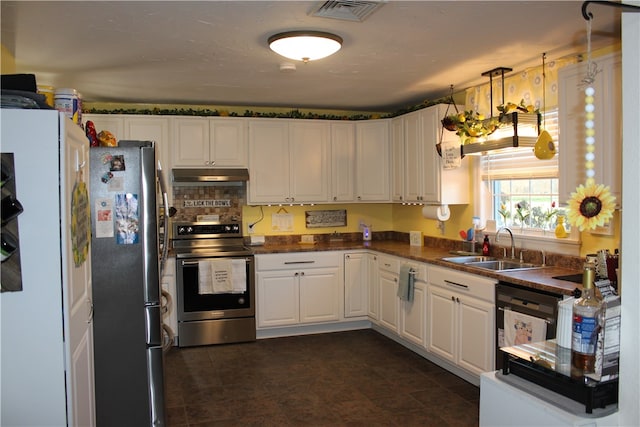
pixel 223 200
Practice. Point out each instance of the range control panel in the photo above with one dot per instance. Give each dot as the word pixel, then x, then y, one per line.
pixel 201 230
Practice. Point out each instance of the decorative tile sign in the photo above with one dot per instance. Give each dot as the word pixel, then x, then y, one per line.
pixel 332 218
pixel 207 203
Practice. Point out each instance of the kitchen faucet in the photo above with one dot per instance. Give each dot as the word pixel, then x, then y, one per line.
pixel 513 245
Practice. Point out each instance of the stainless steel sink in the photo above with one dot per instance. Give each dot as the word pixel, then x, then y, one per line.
pixel 468 259
pixel 502 265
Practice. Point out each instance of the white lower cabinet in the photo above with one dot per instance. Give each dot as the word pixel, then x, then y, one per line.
pixel 461 319
pixel 388 268
pixel 298 288
pixel 413 318
pixel 373 287
pixel 170 309
pixel 356 286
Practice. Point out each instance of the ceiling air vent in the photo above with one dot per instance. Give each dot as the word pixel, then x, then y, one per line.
pixel 347 10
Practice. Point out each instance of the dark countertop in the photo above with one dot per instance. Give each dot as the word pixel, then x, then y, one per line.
pixel 539 278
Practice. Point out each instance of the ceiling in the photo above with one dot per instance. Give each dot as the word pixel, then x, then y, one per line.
pixel 216 53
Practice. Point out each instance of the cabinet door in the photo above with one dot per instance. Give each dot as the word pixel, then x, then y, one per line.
pixel 355 284
pixel 151 129
pixel 607 126
pixel 442 186
pixel 343 157
pixel 228 142
pixel 372 161
pixel 320 295
pixel 441 312
pixel 373 286
pixel 397 159
pixel 168 283
pixel 191 142
pixel 268 161
pixel 413 159
pixel 309 161
pixel 389 301
pixel 111 122
pixel 476 335
pixel 414 323
pixel 278 298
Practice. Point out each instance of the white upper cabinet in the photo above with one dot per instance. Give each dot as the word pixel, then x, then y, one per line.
pixel 397 159
pixel 309 161
pixel 607 126
pixel 288 161
pixel 372 161
pixel 421 168
pixel 114 123
pixel 268 161
pixel 209 142
pixel 343 157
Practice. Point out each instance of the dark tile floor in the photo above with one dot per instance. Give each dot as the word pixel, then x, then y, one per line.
pixel 356 378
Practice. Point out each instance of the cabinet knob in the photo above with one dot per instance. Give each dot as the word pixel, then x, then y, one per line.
pixel 302 273
pixel 296 274
pixel 453 298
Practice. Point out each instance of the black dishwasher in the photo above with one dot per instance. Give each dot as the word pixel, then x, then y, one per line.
pixel 531 302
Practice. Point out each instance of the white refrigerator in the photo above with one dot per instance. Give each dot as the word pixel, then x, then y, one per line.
pixel 46 348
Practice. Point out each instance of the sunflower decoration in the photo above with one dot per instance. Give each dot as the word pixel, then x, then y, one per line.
pixel 591 206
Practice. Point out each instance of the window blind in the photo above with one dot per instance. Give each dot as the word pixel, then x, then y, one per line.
pixel 521 163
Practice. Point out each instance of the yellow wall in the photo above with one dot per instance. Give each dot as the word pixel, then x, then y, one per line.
pixel 397 217
pixel 7 61
pixel 378 216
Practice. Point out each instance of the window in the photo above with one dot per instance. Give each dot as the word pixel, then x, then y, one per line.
pixel 523 189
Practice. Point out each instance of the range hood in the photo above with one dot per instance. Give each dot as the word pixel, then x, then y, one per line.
pixel 209 175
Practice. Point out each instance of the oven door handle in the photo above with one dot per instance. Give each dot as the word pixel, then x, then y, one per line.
pixel 548 320
pixel 196 262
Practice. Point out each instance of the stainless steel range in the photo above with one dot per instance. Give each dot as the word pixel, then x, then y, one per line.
pixel 215 281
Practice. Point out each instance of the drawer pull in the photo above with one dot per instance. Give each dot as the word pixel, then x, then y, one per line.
pixel 298 262
pixel 449 282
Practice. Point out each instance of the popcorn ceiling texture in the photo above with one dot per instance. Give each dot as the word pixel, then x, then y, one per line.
pixel 237 195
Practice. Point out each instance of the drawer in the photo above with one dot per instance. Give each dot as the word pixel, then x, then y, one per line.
pixel 389 263
pixel 298 260
pixel 464 283
pixel 419 268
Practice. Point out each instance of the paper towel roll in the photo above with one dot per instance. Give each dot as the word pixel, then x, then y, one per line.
pixel 441 213
pixel 565 322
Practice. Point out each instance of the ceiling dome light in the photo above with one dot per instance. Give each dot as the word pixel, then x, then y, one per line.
pixel 305 45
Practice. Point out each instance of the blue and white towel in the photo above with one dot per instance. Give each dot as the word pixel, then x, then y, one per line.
pixel 406 283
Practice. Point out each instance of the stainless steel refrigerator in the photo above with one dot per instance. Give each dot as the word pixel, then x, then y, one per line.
pixel 126 286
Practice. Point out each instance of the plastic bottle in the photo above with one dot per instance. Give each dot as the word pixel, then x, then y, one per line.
pixel 560 231
pixel 486 246
pixel 587 318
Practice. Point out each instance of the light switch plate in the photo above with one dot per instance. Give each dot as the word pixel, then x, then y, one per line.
pixel 415 238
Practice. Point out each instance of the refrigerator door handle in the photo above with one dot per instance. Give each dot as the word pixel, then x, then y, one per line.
pixel 153 320
pixel 156 385
pixel 165 201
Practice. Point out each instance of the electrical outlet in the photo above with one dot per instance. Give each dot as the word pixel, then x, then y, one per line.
pixel 415 238
pixel 307 238
pixel 251 230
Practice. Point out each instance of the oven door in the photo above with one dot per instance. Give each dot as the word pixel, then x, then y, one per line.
pixel 533 303
pixel 193 305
